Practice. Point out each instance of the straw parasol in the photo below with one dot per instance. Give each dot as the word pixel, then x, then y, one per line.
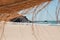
pixel 11 7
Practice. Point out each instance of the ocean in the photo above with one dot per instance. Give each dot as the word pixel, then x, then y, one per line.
pixel 46 22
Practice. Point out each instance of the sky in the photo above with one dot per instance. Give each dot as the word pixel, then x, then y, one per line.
pixel 51 15
pixel 48 13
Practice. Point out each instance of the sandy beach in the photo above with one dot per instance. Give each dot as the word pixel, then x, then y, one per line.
pixel 27 31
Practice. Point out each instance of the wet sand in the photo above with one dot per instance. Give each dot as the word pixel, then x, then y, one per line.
pixel 27 31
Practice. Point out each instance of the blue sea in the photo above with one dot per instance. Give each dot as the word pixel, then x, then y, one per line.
pixel 46 22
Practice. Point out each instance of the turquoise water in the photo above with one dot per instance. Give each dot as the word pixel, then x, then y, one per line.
pixel 46 22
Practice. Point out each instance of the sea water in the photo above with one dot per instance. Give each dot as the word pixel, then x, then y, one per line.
pixel 47 22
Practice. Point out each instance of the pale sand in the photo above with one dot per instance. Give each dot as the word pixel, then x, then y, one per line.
pixel 24 31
